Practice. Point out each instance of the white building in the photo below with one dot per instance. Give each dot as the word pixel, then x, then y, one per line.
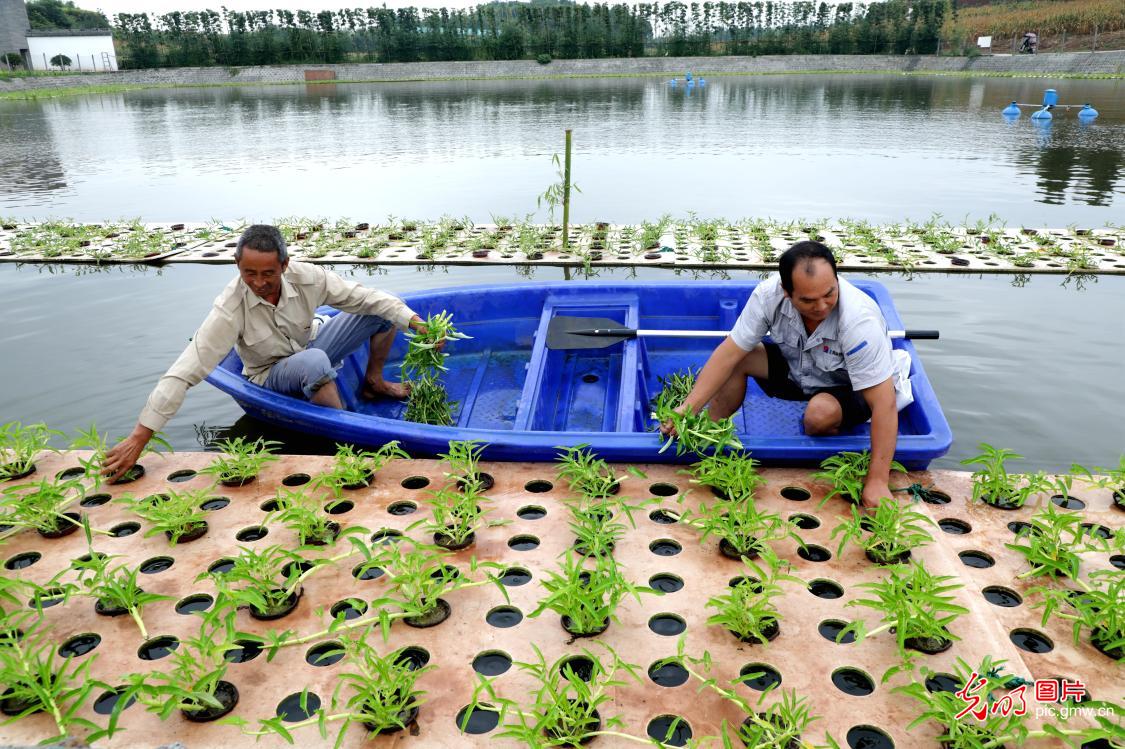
pixel 87 49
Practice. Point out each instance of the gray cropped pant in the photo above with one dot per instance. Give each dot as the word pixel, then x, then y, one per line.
pixel 306 371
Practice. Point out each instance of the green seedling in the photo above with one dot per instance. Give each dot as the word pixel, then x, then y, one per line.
pixel 302 514
pixel 1096 608
pixel 242 461
pixel 99 445
pixel 1051 541
pixel 266 581
pixel 888 535
pixel 19 445
pixel 175 514
pixel 675 387
pixel 587 475
pixel 455 517
pixel 651 233
pixel 993 484
pixel 463 459
pixel 429 403
pixel 596 532
pixel 40 505
pixel 917 604
pixel 748 610
pixel 1106 478
pixel 847 471
pixel 742 527
pixel 696 432
pixel 732 475
pixel 423 354
pixel 354 469
pixel 419 577
pixel 115 588
pixel 587 599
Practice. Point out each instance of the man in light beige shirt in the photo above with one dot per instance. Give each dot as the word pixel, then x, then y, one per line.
pixel 268 315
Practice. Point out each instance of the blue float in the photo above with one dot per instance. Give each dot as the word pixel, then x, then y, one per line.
pixel 1087 113
pixel 1042 114
pixel 1012 110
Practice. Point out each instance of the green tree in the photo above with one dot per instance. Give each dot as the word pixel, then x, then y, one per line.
pixel 50 15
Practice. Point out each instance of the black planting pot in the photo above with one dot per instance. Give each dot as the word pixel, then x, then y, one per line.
pixel 197 531
pixel 770 632
pixel 238 482
pixel 12 706
pixel 226 693
pixel 434 617
pixel 1119 498
pixel 1006 503
pixel 593 723
pixel 106 610
pixel 566 625
pixel 728 550
pixel 284 610
pixel 22 474
pixel 794 743
pixel 486 482
pixel 929 645
pixel 446 542
pixel 333 532
pixel 1114 653
pixel 407 717
pixel 881 558
pixel 362 484
pixel 66 527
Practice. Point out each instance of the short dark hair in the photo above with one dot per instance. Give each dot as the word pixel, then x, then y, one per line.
pixel 806 251
pixel 264 238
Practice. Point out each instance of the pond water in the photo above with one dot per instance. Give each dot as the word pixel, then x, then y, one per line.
pixel 1033 367
pixel 878 147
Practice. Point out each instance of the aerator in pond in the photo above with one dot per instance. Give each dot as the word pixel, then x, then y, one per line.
pixel 1050 102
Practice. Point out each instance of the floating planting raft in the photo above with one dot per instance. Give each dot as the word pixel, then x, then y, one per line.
pixel 520 551
pixel 931 246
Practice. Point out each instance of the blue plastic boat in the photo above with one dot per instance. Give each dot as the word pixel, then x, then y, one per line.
pixel 523 400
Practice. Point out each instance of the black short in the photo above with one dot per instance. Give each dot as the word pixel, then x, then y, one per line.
pixel 778 385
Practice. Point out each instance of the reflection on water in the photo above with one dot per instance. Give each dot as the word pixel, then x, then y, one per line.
pixel 870 146
pixel 1024 362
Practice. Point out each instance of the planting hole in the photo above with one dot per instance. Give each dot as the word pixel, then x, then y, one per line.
pixel 523 543
pixel 415 482
pixel 270 505
pixel 805 522
pixel 943 683
pixel 297 479
pixel 853 681
pixel 538 486
pixel 477 720
pixel 178 477
pixel 95 500
pixel 446 572
pixel 79 645
pixel 954 526
pixel 668 673
pixel 1068 502
pixel 814 553
pixel 220 566
pixel 23 560
pixel 977 559
pixel 157 647
pixel 515 576
pixel 665 547
pixel 795 493
pixel 253 533
pixel 504 617
pixel 1118 561
pixel 339 507
pixel 247 650
pixel 672 730
pixel 413 657
pixel 70 473
pixel 386 536
pixel 663 489
pixel 1000 596
pixel 663 517
pixel 107 701
pixel 668 625
pixel 215 503
pixel 156 564
pixel 754 583
pixel 934 497
pixel 350 608
pixel 531 512
pixel 825 589
pixel 868 737
pixel 298 706
pixel 50 597
pixel 295 569
pixel 759 676
pixel 830 628
pixel 665 583
pixel 492 663
pixel 124 529
pixel 91 557
pixel 402 508
pixel 1094 529
pixel 1018 527
pixel 1031 641
pixel 580 666
pixel 367 572
pixel 134 473
pixel 324 654
pixel 194 604
pixel 154 498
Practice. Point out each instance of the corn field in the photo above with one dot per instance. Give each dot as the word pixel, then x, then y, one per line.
pixel 1070 16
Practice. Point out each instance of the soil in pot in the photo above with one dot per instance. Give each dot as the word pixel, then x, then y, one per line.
pixel 929 645
pixel 1001 503
pixel 226 693
pixel 332 530
pixel 407 717
pixel 433 617
pixel 238 481
pixel 570 629
pixel 194 532
pixel 447 542
pixel 881 557
pixel 65 528
pixel 770 632
pixel 108 609
pixel 485 479
pixel 727 549
pixel 284 610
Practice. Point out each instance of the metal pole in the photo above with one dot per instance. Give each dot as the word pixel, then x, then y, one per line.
pixel 1095 47
pixel 566 194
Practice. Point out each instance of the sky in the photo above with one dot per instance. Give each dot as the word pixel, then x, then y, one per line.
pixel 157 7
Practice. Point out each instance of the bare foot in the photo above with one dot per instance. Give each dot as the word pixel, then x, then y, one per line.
pixel 384 389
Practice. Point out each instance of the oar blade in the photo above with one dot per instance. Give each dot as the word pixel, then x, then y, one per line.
pixel 561 335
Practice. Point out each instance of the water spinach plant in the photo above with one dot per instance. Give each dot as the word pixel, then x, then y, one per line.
pixel 696 433
pixel 846 472
pixel 355 469
pixel 301 513
pixel 748 609
pixel 241 461
pixel 19 446
pixel 267 581
pixel 455 517
pixel 1096 607
pixel 428 402
pixel 743 529
pixel 115 589
pixel 887 535
pixel 41 505
pixel 586 474
pixel 730 475
pixel 1051 542
pixel 586 597
pixel 178 515
pixel 993 485
pixel 464 469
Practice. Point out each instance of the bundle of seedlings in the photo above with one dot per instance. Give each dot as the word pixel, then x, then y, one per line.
pixel 178 515
pixel 428 402
pixel 419 578
pixel 356 469
pixel 742 528
pixel 1051 543
pixel 115 589
pixel 19 446
pixel 696 433
pixel 1106 478
pixel 993 485
pixel 587 475
pixel 455 518
pixel 302 514
pixel 917 605
pixel 675 387
pixel 463 459
pixel 987 716
pixel 98 444
pixel 268 582
pixel 195 684
pixel 241 461
pixel 586 597
pixel 846 472
pixel 566 704
pixel 748 609
pixel 1096 607
pixel 888 535
pixel 36 679
pixel 42 506
pixel 731 475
